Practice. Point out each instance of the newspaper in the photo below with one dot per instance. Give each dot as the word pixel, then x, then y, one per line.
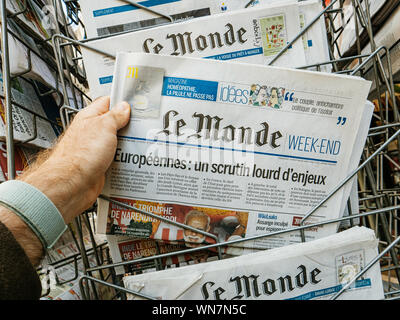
pixel 38 131
pixel 62 267
pixel 106 17
pixel 22 156
pixel 27 62
pixel 123 248
pixel 348 36
pixel 254 35
pixel 33 17
pixel 387 36
pixel 307 271
pixel 233 149
pixel 315 40
pixel 352 186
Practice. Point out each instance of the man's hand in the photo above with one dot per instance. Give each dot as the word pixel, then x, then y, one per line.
pixel 72 174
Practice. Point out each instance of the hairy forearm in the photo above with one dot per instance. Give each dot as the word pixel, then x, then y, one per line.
pixel 72 174
pixel 55 179
pixel 23 234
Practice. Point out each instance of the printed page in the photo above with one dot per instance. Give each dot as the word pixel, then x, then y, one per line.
pixel 24 122
pixel 123 248
pixel 253 35
pixel 308 271
pixel 315 40
pixel 106 17
pixel 236 150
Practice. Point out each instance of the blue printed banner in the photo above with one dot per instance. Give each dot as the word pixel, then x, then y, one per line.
pixel 236 54
pixel 129 7
pixel 183 88
pixel 190 88
pixel 105 80
pixel 319 293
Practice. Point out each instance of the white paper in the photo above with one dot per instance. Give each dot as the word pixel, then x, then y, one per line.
pixel 315 40
pixel 387 36
pixel 249 186
pixel 105 17
pixel 237 35
pixel 348 36
pixel 308 271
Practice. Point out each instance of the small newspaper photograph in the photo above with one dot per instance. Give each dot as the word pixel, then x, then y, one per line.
pixel 107 17
pixel 255 35
pixel 123 248
pixel 315 270
pixel 231 149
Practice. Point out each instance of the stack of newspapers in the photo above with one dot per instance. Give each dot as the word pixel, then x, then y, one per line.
pixel 60 280
pixel 229 142
pixel 35 84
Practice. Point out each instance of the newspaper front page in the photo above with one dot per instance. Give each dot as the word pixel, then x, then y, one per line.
pixel 307 271
pixel 232 149
pixel 254 35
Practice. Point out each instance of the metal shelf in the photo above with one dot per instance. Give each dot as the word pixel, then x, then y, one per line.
pixel 379 193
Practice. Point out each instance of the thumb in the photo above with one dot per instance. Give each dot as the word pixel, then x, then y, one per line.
pixel 120 113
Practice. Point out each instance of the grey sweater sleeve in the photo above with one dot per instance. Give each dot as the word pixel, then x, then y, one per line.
pixel 18 278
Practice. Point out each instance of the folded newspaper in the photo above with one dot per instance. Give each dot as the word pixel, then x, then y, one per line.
pixel 106 17
pixel 388 36
pixel 29 128
pixel 306 271
pixel 346 23
pixel 122 248
pixel 234 150
pixel 27 61
pixel 315 40
pixel 254 35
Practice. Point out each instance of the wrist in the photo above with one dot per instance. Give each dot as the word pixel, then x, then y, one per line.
pixel 60 182
pixel 23 234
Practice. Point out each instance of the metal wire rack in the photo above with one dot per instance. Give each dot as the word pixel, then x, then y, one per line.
pixel 378 173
